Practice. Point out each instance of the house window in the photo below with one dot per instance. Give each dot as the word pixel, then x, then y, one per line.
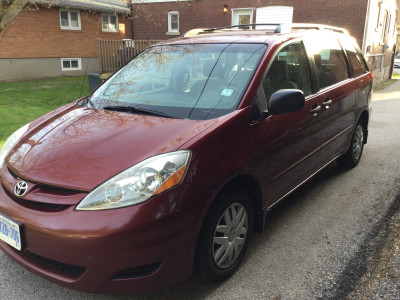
pixel 379 16
pixel 173 22
pixel 242 16
pixel 109 23
pixel 385 27
pixel 71 64
pixel 70 19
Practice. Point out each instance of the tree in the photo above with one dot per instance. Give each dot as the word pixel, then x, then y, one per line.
pixel 8 14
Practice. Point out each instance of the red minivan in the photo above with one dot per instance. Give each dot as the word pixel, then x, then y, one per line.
pixel 171 164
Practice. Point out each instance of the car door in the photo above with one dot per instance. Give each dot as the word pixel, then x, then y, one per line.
pixel 338 92
pixel 289 143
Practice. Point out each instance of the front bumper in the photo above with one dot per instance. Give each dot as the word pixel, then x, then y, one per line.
pixel 128 250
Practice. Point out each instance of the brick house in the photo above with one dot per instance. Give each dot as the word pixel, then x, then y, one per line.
pixel 371 22
pixel 58 37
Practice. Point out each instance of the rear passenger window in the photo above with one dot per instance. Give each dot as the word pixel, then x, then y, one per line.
pixel 355 57
pixel 289 70
pixel 330 62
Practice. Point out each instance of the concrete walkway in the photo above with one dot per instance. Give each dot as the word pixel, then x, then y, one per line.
pixel 389 93
pixel 381 279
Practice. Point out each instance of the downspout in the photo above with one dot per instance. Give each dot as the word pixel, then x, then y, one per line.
pixel 366 26
pixel 132 31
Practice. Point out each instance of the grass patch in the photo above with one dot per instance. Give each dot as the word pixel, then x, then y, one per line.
pixel 384 84
pixel 24 101
pixel 395 75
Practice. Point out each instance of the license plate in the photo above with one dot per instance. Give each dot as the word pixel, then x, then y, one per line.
pixel 10 231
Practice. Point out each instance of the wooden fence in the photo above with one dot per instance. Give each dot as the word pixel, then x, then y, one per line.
pixel 113 54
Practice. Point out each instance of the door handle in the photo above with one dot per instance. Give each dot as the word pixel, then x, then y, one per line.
pixel 315 109
pixel 327 102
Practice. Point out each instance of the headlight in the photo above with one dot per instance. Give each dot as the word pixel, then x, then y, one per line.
pixel 10 143
pixel 138 183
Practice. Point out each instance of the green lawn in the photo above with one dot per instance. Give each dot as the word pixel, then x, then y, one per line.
pixel 24 101
pixel 395 75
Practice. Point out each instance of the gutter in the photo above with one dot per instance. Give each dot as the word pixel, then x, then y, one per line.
pixel 111 6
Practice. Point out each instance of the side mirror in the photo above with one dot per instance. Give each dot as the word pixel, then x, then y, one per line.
pixel 286 101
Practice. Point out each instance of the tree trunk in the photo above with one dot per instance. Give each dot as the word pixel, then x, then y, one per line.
pixel 10 13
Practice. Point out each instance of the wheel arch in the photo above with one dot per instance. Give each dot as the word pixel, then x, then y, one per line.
pixel 253 189
pixel 246 184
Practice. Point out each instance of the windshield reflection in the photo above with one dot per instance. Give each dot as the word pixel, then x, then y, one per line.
pixel 201 81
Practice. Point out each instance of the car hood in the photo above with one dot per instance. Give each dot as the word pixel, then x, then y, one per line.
pixel 81 148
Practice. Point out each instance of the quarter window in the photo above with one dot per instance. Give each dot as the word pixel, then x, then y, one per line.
pixel 355 57
pixel 70 19
pixel 173 21
pixel 109 23
pixel 289 70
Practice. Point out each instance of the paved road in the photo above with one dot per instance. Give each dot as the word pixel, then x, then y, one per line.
pixel 314 241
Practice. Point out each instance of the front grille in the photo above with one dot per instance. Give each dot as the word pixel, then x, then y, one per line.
pixel 37 205
pixel 12 173
pixel 46 187
pixel 48 191
pixel 56 189
pixel 137 271
pixel 66 269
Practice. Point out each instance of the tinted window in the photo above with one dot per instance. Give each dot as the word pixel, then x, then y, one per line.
pixel 355 57
pixel 289 70
pixel 330 61
pixel 200 81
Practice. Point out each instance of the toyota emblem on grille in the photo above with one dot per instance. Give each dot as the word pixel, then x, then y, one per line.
pixel 20 188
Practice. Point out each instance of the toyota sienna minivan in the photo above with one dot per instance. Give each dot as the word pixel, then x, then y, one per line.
pixel 172 163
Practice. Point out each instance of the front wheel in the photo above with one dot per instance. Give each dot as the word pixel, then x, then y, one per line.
pixel 225 235
pixel 353 155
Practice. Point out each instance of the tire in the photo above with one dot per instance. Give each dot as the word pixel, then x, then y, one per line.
pixel 353 155
pixel 225 235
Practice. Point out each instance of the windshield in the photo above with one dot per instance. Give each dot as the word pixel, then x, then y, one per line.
pixel 201 81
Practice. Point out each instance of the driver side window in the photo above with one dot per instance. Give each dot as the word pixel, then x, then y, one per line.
pixel 289 70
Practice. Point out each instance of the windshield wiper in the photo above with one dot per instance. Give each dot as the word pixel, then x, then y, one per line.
pixel 137 110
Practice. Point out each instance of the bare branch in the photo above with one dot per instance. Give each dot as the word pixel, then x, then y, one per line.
pixel 10 13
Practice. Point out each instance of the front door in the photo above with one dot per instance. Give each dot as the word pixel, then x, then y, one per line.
pixel 242 16
pixel 291 142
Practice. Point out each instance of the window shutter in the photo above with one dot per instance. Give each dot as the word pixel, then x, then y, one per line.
pixel 274 14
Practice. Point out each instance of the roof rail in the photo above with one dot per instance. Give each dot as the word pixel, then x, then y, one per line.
pixel 278 28
pixel 196 31
pixel 242 25
pixel 285 28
